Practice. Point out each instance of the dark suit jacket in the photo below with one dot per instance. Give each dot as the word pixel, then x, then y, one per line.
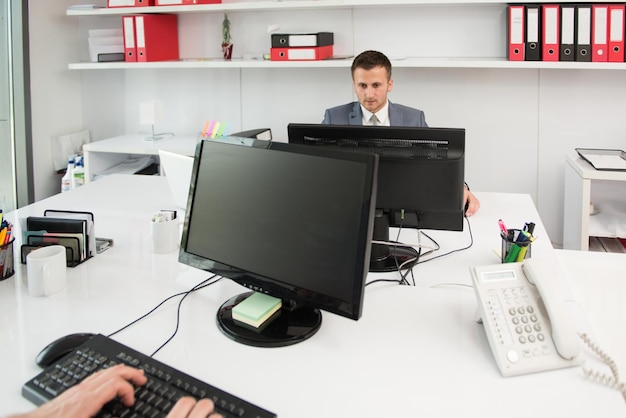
pixel 351 114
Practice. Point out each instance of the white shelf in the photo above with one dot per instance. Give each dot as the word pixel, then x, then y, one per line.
pixel 342 63
pixel 273 5
pixel 286 5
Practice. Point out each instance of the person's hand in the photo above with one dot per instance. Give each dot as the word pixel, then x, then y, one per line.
pixel 188 407
pixel 471 202
pixel 87 398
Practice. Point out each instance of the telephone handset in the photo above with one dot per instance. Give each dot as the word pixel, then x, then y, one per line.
pixel 524 317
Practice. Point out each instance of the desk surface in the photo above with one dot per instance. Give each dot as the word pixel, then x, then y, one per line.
pixel 415 351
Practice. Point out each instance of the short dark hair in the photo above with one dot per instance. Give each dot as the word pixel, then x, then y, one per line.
pixel 370 59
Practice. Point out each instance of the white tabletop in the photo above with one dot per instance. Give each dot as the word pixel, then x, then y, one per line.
pixel 416 351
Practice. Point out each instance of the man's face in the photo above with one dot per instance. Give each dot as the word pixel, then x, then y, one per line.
pixel 371 87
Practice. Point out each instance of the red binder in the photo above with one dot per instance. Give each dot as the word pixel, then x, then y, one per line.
pixel 129 3
pixel 616 33
pixel 550 35
pixel 599 32
pixel 516 27
pixel 315 53
pixel 157 37
pixel 130 46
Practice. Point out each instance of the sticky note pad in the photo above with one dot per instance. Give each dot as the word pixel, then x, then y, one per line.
pixel 256 309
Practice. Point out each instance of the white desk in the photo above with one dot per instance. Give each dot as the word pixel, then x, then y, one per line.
pixel 102 155
pixel 416 351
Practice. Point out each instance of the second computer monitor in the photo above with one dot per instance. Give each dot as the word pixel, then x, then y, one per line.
pixel 420 176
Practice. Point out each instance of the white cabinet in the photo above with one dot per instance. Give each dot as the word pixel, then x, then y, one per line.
pixel 104 154
pixel 594 204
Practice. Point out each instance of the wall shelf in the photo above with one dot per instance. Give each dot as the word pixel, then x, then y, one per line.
pixel 343 63
pixel 286 5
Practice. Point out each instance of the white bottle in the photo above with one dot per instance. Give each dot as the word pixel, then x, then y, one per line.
pixel 66 180
pixel 78 174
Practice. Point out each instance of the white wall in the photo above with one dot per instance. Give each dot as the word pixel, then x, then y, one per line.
pixel 519 122
pixel 56 104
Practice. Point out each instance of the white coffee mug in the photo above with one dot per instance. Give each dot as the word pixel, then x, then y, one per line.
pixel 165 236
pixel 46 270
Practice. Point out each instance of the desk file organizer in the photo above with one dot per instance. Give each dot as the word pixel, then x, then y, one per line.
pixel 6 260
pixel 74 230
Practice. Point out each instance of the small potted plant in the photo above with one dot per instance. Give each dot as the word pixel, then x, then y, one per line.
pixel 227 44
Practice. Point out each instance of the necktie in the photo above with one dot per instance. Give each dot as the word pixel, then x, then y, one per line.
pixel 374 120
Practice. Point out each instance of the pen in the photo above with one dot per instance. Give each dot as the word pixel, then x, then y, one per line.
pixel 523 236
pixel 529 227
pixel 503 227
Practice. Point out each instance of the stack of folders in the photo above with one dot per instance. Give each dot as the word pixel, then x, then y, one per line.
pixel 130 3
pixel 106 45
pixel 302 46
pixel 566 32
pixel 74 230
pixel 150 37
pixel 185 2
pixel 256 310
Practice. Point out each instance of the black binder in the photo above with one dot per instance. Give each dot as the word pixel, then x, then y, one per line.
pixel 568 33
pixel 533 32
pixel 583 32
pixel 289 40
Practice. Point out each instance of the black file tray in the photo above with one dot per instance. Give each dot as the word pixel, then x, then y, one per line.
pixel 55 234
pixel 26 249
pixel 588 155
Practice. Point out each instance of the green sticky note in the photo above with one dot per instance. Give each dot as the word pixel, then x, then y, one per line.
pixel 256 309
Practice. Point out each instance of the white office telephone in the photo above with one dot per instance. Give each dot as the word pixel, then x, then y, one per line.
pixel 526 321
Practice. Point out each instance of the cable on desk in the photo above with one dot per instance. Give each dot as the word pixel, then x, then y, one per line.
pixel 199 286
pixel 610 381
pixel 469 228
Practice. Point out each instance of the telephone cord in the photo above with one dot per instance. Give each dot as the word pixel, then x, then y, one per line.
pixel 611 381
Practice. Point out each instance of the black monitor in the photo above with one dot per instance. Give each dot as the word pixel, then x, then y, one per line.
pixel 420 178
pixel 273 217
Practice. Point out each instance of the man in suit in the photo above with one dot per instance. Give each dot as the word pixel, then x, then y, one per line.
pixel 371 79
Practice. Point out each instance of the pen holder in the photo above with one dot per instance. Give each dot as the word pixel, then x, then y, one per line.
pixel 514 248
pixel 6 260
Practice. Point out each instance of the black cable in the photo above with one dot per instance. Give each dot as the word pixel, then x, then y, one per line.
pixel 384 280
pixel 469 227
pixel 404 280
pixel 199 286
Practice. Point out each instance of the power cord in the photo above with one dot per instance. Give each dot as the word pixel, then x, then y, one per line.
pixel 201 285
pixel 469 228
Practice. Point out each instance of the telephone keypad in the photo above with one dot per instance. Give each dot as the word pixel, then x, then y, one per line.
pixel 522 315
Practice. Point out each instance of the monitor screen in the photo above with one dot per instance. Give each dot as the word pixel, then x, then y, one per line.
pixel 420 177
pixel 273 217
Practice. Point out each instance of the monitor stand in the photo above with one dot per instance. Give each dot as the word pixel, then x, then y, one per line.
pixel 387 258
pixel 291 324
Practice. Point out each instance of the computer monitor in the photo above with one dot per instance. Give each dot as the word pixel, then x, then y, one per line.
pixel 420 178
pixel 273 217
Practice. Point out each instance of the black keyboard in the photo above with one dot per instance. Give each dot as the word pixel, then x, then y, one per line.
pixel 154 399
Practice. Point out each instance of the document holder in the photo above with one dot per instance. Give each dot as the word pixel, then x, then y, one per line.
pixel 72 245
pixel 87 216
pixel 26 249
pixel 73 230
